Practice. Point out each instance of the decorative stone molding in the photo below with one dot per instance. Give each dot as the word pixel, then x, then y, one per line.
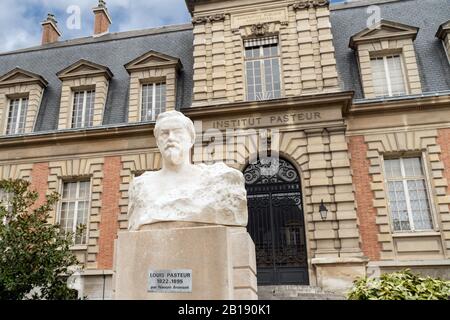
pixel 16 171
pixel 83 75
pixel 305 4
pixel 152 67
pixel 387 37
pixel 21 83
pixel 209 19
pixel 260 29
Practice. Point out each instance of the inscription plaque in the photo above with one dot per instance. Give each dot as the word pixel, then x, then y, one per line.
pixel 170 281
pixel 246 19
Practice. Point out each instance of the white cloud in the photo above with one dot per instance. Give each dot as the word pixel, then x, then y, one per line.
pixel 20 20
pixel 16 30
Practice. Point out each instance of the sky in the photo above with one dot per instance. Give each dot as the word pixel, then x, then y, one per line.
pixel 20 19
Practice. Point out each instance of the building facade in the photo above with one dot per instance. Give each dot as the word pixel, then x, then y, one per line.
pixel 352 101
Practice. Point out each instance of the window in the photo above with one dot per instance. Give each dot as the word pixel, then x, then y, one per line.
pixel 408 197
pixel 5 201
pixel 153 101
pixel 83 109
pixel 74 210
pixel 262 63
pixel 388 76
pixel 17 116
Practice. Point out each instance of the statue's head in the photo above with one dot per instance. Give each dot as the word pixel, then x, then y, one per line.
pixel 175 136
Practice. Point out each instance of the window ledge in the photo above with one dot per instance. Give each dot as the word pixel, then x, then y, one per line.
pixel 416 234
pixel 79 247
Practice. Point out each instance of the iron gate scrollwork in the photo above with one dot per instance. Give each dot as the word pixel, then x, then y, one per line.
pixel 276 222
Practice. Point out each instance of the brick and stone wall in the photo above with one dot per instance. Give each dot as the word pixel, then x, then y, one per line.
pixel 362 181
pixel 109 213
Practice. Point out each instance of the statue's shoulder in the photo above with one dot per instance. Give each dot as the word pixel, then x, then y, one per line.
pixel 145 177
pixel 221 170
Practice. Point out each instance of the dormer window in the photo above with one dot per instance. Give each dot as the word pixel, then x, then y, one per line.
pixel 153 83
pixel 83 95
pixel 21 93
pixel 388 76
pixel 387 60
pixel 17 116
pixel 153 101
pixel 83 109
pixel 262 64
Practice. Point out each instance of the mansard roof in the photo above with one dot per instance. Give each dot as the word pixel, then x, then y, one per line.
pixel 111 51
pixel 84 68
pixel 21 76
pixel 383 30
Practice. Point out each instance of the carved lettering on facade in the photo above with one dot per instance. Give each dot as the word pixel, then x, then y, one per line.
pixel 310 4
pixel 279 119
pixel 255 18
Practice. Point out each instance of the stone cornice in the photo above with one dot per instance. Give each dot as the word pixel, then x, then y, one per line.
pixel 59 137
pixel 208 19
pixel 412 103
pixel 305 4
pixel 309 101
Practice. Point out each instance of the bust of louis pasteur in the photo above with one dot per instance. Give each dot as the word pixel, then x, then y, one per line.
pixel 184 192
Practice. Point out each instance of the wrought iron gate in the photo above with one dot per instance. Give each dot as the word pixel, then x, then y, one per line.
pixel 276 222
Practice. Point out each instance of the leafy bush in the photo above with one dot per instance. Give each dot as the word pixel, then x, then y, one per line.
pixel 403 285
pixel 35 256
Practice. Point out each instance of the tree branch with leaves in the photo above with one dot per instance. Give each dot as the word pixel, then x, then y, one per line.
pixel 35 256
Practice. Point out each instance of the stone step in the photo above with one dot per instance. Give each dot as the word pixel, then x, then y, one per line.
pixel 295 292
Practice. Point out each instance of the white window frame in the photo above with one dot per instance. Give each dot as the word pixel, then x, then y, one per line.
pixel 153 106
pixel 388 75
pixel 404 180
pixel 6 196
pixel 83 112
pixel 89 199
pixel 19 112
pixel 261 60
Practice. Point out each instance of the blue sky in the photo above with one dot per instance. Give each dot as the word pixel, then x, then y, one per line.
pixel 20 20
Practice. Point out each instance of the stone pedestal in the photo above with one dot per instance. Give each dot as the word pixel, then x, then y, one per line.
pixel 222 260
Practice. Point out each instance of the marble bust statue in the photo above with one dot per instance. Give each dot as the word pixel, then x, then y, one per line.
pixel 184 192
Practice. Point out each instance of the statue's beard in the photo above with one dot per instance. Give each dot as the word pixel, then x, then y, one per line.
pixel 174 155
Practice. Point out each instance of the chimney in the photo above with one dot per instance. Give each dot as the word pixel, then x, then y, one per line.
pixel 102 19
pixel 50 32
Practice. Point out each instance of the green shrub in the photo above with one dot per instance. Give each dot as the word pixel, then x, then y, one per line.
pixel 35 257
pixel 403 285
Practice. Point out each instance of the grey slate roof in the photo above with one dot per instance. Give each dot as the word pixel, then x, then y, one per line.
pixel 428 15
pixel 113 51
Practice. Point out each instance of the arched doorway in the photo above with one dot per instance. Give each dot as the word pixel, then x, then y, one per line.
pixel 276 222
